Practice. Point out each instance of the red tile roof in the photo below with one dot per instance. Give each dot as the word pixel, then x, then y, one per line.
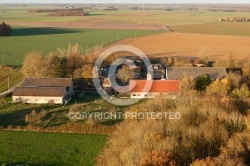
pixel 155 86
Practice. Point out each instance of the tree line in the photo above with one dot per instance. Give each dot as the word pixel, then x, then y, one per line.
pixel 60 64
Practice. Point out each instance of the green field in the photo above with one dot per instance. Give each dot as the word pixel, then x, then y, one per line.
pixel 30 148
pixel 218 28
pixel 24 40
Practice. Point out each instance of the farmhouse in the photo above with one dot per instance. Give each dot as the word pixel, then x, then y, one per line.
pixel 178 73
pixel 151 88
pixel 41 95
pixel 44 90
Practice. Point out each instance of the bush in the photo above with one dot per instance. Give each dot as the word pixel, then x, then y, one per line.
pixel 202 82
pixel 218 87
pixel 203 162
pixel 5 29
pixel 157 158
pixel 241 93
pixel 187 84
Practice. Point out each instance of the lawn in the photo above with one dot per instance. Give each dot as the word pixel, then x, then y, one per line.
pixel 31 148
pixel 14 114
pixel 24 40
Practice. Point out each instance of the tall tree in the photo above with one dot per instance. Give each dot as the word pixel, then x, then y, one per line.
pixel 74 60
pixel 5 29
pixel 55 66
pixel 34 65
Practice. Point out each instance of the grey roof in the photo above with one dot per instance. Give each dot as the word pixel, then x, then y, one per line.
pixel 178 73
pixel 47 82
pixel 40 91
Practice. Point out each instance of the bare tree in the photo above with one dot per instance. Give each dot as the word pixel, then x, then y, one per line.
pixel 125 74
pixel 34 65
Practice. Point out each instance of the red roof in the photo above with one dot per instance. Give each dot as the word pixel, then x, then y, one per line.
pixel 155 86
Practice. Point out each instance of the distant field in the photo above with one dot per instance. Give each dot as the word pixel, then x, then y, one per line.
pixel 128 17
pixel 45 40
pixel 190 45
pixel 15 76
pixel 219 28
pixel 29 148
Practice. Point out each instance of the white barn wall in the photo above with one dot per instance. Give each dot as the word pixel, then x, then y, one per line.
pixel 37 99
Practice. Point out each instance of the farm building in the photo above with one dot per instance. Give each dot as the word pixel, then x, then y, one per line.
pixel 44 90
pixel 158 70
pixel 41 95
pixel 178 73
pixel 50 82
pixel 151 88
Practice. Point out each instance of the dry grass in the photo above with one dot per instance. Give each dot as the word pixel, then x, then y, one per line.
pixel 203 131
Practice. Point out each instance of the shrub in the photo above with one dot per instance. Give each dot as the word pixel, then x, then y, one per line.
pixel 187 84
pixel 241 93
pixel 157 158
pixel 218 87
pixel 202 82
pixel 203 162
pixel 235 122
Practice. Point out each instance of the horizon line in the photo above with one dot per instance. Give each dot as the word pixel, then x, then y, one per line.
pixel 127 3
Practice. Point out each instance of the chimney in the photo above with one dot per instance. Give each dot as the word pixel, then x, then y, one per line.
pixel 149 76
pixel 166 73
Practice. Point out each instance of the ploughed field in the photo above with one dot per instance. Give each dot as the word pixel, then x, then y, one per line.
pixel 190 45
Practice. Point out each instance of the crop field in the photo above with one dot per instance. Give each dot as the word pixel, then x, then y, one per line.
pixel 218 28
pixel 30 148
pixel 190 45
pixel 15 76
pixel 24 40
pixel 39 32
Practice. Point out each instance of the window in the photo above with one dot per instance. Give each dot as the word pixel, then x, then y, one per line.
pixel 134 94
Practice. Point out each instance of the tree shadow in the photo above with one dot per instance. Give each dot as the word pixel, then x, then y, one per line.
pixel 17 118
pixel 9 163
pixel 41 31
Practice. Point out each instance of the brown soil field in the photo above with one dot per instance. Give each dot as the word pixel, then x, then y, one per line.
pixel 94 24
pixel 190 45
